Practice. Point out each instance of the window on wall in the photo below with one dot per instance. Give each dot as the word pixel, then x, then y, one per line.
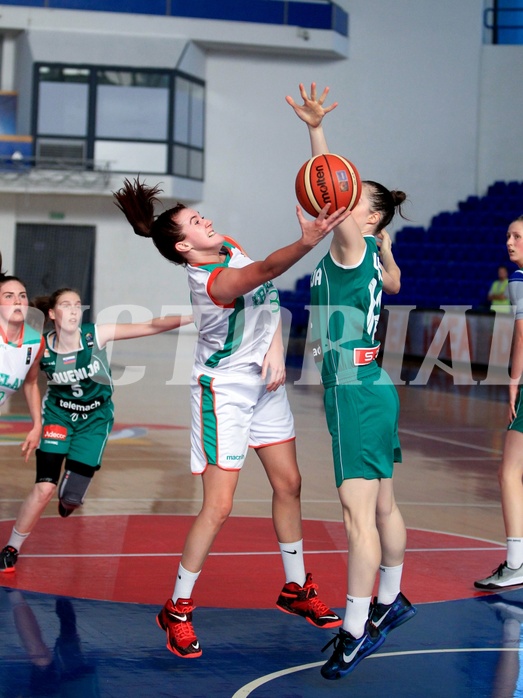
pixel 188 127
pixel 135 120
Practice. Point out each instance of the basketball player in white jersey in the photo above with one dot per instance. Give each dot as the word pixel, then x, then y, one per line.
pixel 238 395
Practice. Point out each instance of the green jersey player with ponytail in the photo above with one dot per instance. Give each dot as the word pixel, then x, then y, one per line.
pixel 361 406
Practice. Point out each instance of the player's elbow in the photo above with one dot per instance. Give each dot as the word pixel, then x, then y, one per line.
pixel 392 285
pixel 395 288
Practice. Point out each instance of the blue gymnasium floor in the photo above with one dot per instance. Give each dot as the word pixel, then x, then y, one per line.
pixel 75 648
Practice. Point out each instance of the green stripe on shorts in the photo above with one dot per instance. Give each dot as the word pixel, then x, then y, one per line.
pixel 209 422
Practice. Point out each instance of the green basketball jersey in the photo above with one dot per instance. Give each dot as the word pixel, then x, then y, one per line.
pixel 345 309
pixel 81 378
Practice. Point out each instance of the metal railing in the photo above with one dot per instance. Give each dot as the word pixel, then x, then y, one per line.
pixel 38 172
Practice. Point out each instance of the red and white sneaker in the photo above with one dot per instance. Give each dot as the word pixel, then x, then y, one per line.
pixel 176 620
pixel 304 601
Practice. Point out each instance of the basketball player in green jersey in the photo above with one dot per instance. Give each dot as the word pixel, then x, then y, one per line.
pixel 77 408
pixel 510 475
pixel 361 406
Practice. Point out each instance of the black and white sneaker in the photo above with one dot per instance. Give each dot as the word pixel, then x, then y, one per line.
pixel 386 617
pixel 8 558
pixel 349 651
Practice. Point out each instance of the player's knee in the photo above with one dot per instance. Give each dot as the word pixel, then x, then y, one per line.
pixel 44 491
pixel 288 487
pixel 218 513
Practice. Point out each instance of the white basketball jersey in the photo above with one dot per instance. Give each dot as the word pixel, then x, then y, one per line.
pixel 16 360
pixel 232 339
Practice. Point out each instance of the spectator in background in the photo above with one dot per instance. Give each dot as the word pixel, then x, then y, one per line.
pixel 498 294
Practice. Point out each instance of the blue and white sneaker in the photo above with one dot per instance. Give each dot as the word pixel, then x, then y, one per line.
pixel 349 651
pixel 386 617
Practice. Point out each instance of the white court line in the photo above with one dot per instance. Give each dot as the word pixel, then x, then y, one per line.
pixel 146 500
pixel 441 439
pixel 78 556
pixel 246 690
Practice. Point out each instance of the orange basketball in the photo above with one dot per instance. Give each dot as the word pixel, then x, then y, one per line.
pixel 325 179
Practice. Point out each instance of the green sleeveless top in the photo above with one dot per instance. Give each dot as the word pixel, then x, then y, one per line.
pixel 81 376
pixel 345 309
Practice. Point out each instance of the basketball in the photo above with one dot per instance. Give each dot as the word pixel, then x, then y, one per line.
pixel 325 179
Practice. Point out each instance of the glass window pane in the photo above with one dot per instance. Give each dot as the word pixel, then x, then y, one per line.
pixel 182 100
pixel 196 164
pixel 129 106
pixel 62 108
pixel 132 78
pixel 188 112
pixel 181 161
pixel 122 156
pixel 63 73
pixel 197 111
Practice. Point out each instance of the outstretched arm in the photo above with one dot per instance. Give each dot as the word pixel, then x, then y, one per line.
pixel 233 283
pixel 347 244
pixel 132 330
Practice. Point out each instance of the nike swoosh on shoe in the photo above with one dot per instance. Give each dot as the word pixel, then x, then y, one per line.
pixel 380 621
pixel 182 617
pixel 354 652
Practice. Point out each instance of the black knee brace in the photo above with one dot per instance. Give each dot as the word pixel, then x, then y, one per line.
pixel 73 487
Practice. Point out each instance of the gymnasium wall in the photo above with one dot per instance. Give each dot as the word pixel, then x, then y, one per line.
pixel 425 106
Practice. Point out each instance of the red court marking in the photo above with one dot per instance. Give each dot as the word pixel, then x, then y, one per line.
pixel 134 558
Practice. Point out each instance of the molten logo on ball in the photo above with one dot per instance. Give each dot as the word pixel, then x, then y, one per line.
pixel 322 184
pixel 328 179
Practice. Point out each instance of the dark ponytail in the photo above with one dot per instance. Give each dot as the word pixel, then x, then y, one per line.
pixel 385 202
pixel 136 200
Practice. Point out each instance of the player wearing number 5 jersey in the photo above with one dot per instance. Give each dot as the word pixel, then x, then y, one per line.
pixel 78 412
pixel 361 406
pixel 77 409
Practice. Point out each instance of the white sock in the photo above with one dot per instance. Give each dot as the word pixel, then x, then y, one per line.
pixel 293 564
pixel 17 539
pixel 514 553
pixel 356 614
pixel 390 581
pixel 185 582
